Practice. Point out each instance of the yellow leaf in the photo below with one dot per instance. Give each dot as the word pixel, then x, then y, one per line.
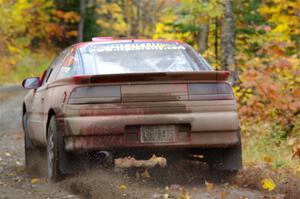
pixel 209 186
pixel 167 188
pixel 11 174
pixel 145 174
pixel 18 163
pixel 223 195
pixel 7 154
pixel 184 195
pixel 123 187
pixel 2 183
pixel 268 184
pixel 268 159
pixel 34 180
pixel 298 170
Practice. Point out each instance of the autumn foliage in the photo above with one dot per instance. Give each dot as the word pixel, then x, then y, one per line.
pixel 267 51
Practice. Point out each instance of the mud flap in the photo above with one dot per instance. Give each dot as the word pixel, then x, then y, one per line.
pixel 35 160
pixel 229 159
pixel 69 163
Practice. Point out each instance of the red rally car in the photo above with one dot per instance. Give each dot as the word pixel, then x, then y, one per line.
pixel 132 97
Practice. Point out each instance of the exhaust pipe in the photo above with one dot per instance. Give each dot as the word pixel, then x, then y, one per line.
pixel 104 154
pixel 100 155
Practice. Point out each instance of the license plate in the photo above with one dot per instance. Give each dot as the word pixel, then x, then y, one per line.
pixel 158 134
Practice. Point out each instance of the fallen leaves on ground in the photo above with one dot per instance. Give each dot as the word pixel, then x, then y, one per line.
pixel 7 154
pixel 223 194
pixel 167 188
pixel 34 180
pixel 129 162
pixel 184 195
pixel 2 184
pixel 268 159
pixel 286 180
pixel 122 187
pixel 145 174
pixel 19 163
pixel 209 186
pixel 295 144
pixel 19 135
pixel 268 184
pixel 11 174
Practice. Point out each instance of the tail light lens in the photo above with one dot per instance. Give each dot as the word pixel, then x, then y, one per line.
pixel 210 91
pixel 95 94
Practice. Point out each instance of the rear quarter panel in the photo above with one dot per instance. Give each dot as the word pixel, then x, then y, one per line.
pixel 54 98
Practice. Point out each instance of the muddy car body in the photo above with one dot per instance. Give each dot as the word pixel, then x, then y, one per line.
pixel 173 102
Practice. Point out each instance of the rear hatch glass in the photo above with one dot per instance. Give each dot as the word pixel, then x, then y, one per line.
pixel 141 57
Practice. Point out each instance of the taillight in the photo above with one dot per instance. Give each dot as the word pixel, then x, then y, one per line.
pixel 95 94
pixel 210 91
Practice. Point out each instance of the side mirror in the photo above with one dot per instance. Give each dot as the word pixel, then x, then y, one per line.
pixel 31 83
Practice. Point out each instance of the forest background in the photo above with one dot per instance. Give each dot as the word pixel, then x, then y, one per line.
pixel 257 40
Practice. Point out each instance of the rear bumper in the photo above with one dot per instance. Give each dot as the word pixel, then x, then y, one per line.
pixel 117 142
pixel 206 129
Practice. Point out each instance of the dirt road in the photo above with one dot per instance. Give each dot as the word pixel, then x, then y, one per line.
pixel 189 181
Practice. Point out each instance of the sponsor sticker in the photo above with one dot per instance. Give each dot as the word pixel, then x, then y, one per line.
pixel 135 47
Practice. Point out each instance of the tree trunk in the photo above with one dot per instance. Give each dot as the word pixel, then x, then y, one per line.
pixel 227 40
pixel 136 22
pixel 216 43
pixel 81 22
pixel 203 37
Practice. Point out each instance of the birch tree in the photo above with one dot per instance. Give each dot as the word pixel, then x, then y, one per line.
pixel 227 40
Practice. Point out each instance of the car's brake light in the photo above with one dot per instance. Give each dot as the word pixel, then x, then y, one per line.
pixel 102 38
pixel 95 94
pixel 210 91
pixel 223 75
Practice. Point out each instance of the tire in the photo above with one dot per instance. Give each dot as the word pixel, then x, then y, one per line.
pixel 33 155
pixel 59 162
pixel 53 173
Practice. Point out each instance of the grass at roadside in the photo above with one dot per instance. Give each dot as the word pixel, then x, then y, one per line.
pixel 268 156
pixel 32 64
pixel 264 144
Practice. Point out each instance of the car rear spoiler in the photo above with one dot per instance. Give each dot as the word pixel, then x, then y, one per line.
pixel 147 77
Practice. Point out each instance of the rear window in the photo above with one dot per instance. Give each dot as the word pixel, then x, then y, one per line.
pixel 137 57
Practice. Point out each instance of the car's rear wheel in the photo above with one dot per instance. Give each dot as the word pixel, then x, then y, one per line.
pixel 54 173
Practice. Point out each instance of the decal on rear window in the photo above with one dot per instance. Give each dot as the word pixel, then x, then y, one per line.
pixel 135 47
